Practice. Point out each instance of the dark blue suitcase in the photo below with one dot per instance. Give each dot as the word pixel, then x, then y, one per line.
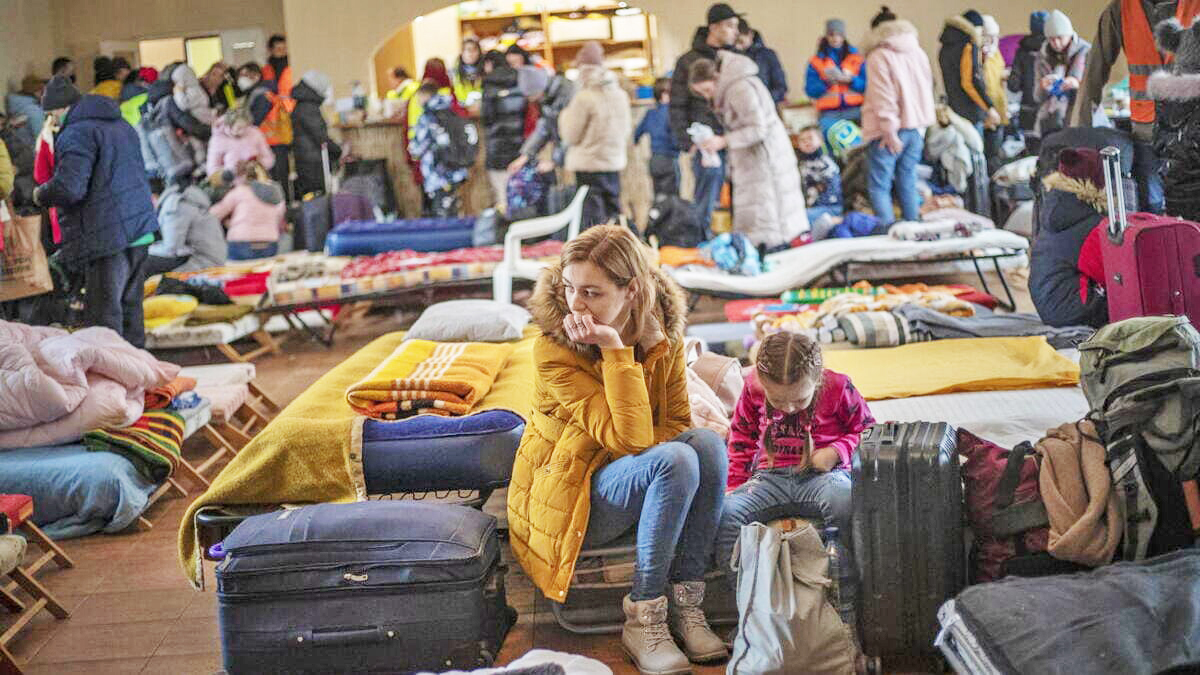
pixel 316 219
pixel 377 586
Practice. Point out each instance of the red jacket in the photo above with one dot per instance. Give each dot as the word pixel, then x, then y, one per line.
pixel 43 171
pixel 841 415
pixel 1091 266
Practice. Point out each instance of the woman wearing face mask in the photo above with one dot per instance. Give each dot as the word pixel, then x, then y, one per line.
pixel 468 74
pixel 234 141
pixel 310 132
pixel 610 447
pixel 1059 68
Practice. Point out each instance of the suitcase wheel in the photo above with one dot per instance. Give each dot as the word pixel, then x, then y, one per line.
pixel 874 666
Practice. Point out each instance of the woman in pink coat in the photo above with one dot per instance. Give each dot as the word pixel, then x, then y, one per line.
pixel 255 210
pixel 236 140
pixel 897 107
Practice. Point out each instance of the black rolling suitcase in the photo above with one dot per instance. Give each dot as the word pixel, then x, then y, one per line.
pixel 378 586
pixel 908 534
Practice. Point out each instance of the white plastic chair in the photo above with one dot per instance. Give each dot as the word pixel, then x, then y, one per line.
pixel 514 266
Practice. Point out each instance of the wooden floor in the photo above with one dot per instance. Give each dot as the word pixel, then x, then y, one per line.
pixel 133 612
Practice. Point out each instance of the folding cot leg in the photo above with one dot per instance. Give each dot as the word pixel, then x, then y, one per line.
pixel 39 591
pixel 8 664
pixel 53 551
pixel 10 601
pixel 191 471
pixel 259 393
pixel 231 353
pixel 1011 305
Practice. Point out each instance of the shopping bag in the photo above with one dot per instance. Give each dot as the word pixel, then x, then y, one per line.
pixel 785 623
pixel 23 267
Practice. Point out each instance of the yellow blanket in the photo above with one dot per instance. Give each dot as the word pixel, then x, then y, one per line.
pixel 440 378
pixel 945 366
pixel 308 452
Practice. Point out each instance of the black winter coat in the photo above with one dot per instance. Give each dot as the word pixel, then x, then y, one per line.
pixel 1065 220
pixel 99 184
pixel 502 111
pixel 956 38
pixel 1023 80
pixel 309 131
pixel 686 106
pixel 1177 142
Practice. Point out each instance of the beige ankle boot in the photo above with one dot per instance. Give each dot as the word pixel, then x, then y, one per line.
pixel 647 640
pixel 689 626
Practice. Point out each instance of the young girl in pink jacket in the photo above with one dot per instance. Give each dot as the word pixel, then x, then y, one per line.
pixel 236 140
pixel 793 434
pixel 255 210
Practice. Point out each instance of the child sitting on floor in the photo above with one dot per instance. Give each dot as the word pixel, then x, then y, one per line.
pixel 430 146
pixel 821 180
pixel 791 439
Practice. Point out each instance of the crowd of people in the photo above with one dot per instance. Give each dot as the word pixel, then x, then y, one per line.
pixel 154 171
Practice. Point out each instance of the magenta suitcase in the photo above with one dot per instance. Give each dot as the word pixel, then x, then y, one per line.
pixel 1151 263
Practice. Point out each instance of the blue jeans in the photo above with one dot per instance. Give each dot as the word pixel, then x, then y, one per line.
pixel 1147 170
pixel 771 494
pixel 885 170
pixel 672 493
pixel 252 250
pixel 815 213
pixel 708 188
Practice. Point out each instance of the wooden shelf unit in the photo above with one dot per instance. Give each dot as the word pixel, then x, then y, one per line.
pixel 492 25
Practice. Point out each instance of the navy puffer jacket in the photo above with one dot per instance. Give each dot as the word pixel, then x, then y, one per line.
pixel 99 183
pixel 1070 210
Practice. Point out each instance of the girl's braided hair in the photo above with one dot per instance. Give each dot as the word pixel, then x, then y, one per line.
pixel 787 358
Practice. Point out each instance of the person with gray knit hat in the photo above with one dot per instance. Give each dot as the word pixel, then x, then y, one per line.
pixel 60 93
pixel 1058 71
pixel 836 78
pixel 310 131
pixel 595 126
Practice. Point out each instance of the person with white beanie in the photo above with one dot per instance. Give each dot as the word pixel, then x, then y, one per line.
pixel 993 82
pixel 1059 70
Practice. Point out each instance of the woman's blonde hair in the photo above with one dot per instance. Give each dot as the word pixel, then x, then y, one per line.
pixel 623 258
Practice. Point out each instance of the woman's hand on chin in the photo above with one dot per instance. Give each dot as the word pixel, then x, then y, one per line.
pixel 584 329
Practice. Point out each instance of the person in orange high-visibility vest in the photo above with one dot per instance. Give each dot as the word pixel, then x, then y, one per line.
pixel 277 68
pixel 836 77
pixel 268 111
pixel 1128 25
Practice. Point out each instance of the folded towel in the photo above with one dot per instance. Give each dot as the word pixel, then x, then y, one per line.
pixel 152 443
pixel 440 378
pixel 160 397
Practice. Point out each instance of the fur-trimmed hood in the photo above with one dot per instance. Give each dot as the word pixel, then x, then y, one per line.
pixel 959 30
pixel 1167 86
pixel 549 307
pixel 899 35
pixel 1085 190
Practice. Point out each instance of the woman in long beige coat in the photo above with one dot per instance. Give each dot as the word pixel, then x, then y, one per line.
pixel 768 205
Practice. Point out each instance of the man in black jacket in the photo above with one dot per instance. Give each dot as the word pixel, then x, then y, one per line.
pixel 1021 79
pixel 962 70
pixel 688 108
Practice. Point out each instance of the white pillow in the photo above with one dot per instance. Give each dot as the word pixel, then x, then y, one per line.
pixel 470 321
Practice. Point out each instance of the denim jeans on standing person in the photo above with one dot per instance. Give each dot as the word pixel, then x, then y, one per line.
pixel 1147 169
pixel 114 290
pixel 885 170
pixel 252 250
pixel 707 190
pixel 771 494
pixel 672 493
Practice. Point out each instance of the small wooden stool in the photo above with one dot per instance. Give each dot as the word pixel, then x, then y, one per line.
pixel 12 552
pixel 19 509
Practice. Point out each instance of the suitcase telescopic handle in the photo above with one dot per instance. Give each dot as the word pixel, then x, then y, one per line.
pixel 1114 191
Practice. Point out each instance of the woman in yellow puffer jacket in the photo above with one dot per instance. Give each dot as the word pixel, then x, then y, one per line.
pixel 609 447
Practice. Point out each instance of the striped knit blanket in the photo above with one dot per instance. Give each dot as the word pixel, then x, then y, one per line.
pixel 152 443
pixel 424 377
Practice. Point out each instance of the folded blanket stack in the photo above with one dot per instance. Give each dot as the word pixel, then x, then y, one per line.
pixel 161 397
pixel 152 443
pixel 424 377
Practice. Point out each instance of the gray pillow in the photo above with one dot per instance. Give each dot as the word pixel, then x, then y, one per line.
pixel 470 321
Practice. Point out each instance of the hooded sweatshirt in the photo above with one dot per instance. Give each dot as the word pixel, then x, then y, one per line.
pixel 226 150
pixel 962 69
pixel 189 230
pixel 190 96
pixel 899 82
pixel 597 123
pixel 255 211
pixel 1071 209
pixel 687 106
pixel 839 418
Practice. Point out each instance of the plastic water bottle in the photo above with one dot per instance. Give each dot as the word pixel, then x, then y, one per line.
pixel 841 591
